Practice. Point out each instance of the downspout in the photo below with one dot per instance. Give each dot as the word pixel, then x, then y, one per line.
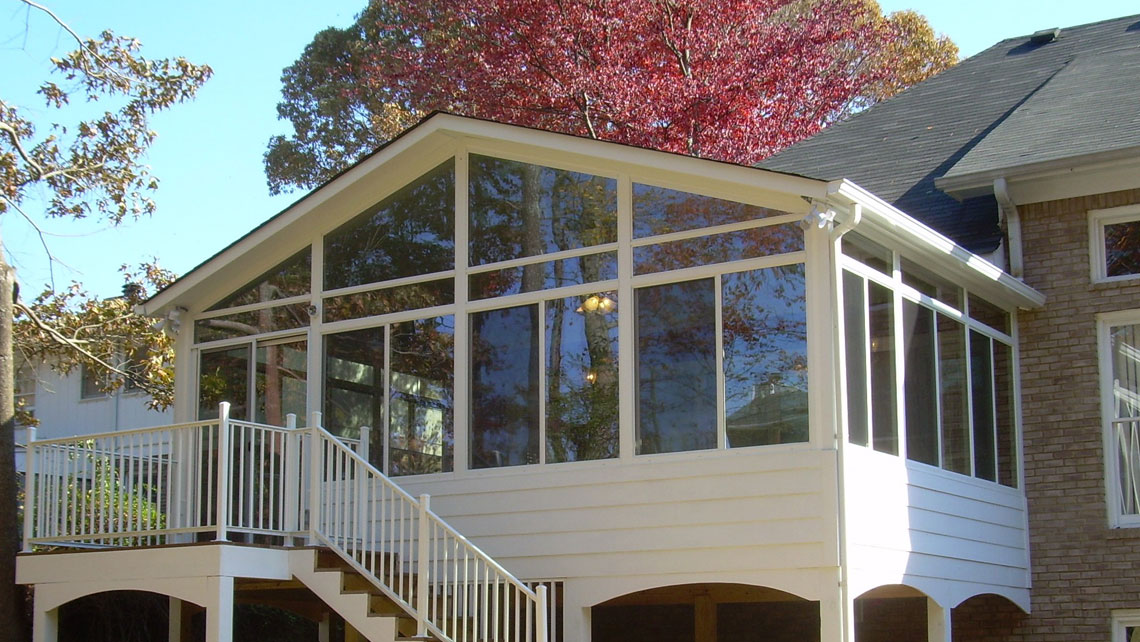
pixel 839 229
pixel 1012 220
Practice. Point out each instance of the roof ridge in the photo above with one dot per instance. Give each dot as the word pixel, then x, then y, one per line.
pixel 1066 29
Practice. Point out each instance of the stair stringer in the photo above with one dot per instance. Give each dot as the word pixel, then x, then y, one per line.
pixel 353 607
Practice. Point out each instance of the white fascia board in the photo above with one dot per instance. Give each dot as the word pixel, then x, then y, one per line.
pixel 1049 180
pixel 933 249
pixel 254 250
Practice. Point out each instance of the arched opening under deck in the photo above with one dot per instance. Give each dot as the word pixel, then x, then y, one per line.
pixel 987 616
pixel 706 612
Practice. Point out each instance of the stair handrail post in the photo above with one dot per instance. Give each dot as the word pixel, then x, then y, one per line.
pixel 30 503
pixel 541 630
pixel 223 485
pixel 365 443
pixel 292 485
pixel 315 473
pixel 423 545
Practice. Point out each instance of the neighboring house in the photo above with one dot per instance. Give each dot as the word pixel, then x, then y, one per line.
pixel 680 399
pixel 74 404
pixel 1030 152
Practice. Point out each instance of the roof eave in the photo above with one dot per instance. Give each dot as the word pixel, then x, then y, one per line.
pixel 980 183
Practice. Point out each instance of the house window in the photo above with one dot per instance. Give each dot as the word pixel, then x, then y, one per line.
pixel 1114 243
pixel 1126 626
pixel 924 376
pixel 90 384
pixel 1120 372
pixel 25 394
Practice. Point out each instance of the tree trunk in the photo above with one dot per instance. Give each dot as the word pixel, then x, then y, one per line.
pixel 12 620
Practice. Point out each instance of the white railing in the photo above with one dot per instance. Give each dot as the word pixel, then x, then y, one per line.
pixel 1128 448
pixel 213 479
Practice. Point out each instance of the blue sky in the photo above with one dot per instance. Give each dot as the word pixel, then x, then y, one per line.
pixel 209 153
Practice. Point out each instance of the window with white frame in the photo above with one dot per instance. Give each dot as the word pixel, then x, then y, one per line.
pixel 1114 243
pixel 1120 388
pixel 1126 626
pixel 25 394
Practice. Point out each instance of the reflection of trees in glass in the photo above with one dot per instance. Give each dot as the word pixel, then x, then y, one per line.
pixel 1122 248
pixel 422 401
pixel 280 381
pixel 765 356
pixel 224 376
pixel 504 387
pixel 354 385
pixel 659 210
pixel 388 300
pixel 553 274
pixel 519 210
pixel 289 278
pixel 718 248
pixel 581 378
pixel 245 324
pixel 676 367
pixel 409 233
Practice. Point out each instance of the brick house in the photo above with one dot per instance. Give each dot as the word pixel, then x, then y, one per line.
pixel 654 397
pixel 1029 152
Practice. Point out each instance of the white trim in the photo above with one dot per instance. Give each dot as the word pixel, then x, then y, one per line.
pixel 1122 620
pixel 702 232
pixel 1104 324
pixel 384 285
pixel 1098 219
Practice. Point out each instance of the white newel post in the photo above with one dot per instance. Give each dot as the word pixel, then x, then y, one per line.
pixel 541 630
pixel 223 485
pixel 365 443
pixel 422 567
pixel 30 486
pixel 292 481
pixel 315 474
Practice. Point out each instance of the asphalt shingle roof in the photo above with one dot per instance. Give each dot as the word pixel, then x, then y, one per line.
pixel 1013 104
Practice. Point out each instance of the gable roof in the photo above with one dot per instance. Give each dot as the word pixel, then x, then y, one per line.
pixel 1015 104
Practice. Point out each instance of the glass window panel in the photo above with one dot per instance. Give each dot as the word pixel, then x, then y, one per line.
pixel 504 387
pixel 409 233
pixel 952 395
pixel 289 278
pixel 354 386
pixel 920 387
pixel 25 393
pixel 544 276
pixel 519 209
pixel 676 367
pixel 982 387
pixel 989 314
pixel 931 284
pixel 659 210
pixel 223 375
pixel 582 378
pixel 245 324
pixel 90 384
pixel 1125 352
pixel 1122 248
pixel 855 339
pixel 884 424
pixel 867 252
pixel 422 396
pixel 719 248
pixel 280 381
pixel 765 356
pixel 388 300
pixel 1131 634
pixel 1007 462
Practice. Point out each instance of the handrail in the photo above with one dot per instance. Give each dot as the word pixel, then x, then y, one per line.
pixel 119 433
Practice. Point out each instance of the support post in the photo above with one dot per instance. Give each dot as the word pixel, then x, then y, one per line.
pixel 174 621
pixel 220 610
pixel 324 628
pixel 938 627
pixel 292 479
pixel 45 623
pixel 316 471
pixel 223 484
pixel 541 611
pixel 365 443
pixel 30 486
pixel 422 566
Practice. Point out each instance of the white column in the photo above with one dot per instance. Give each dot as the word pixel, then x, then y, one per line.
pixel 323 628
pixel 45 622
pixel 937 622
pixel 836 619
pixel 174 621
pixel 576 622
pixel 220 610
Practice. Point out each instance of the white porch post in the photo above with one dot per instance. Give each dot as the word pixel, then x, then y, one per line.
pixel 174 621
pixel 937 622
pixel 836 619
pixel 576 622
pixel 324 627
pixel 45 622
pixel 220 610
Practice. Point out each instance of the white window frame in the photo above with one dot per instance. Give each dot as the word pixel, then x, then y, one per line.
pixel 1098 219
pixel 1121 621
pixel 1105 322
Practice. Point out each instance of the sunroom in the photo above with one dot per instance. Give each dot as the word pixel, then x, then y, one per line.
pixel 616 371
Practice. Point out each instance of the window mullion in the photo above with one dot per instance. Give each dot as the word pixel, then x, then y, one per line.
pixel 386 408
pixel 627 311
pixel 969 385
pixel 540 328
pixel 721 420
pixel 461 415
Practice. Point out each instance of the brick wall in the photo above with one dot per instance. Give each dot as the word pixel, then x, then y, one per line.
pixel 1082 570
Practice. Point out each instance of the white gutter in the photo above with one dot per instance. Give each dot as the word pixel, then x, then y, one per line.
pixel 1012 220
pixel 936 251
